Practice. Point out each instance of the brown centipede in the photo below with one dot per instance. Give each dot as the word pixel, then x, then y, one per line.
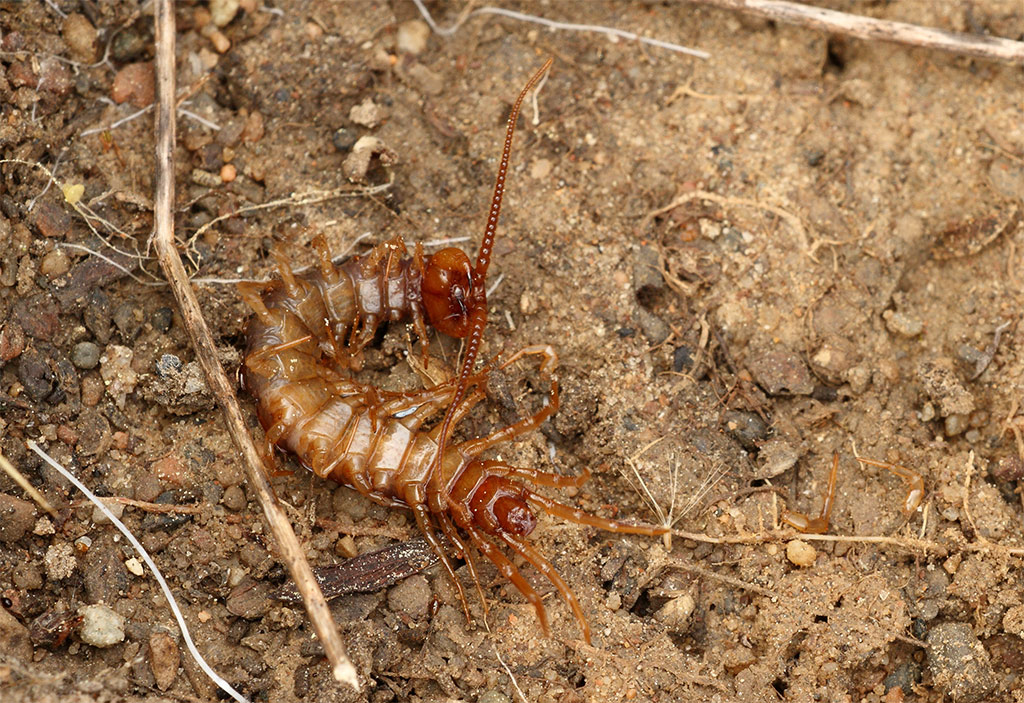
pixel 376 442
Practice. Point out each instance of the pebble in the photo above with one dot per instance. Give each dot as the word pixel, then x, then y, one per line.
pixel 60 561
pixel 223 11
pixel 16 518
pixel 80 37
pixel 135 83
pixel 12 341
pixel 117 373
pixel 101 626
pixel 85 355
pixel 781 372
pixel 902 324
pixel 367 114
pixel 50 220
pixel 959 664
pixel 54 264
pixel 163 659
pixel 800 553
pixel 14 638
pixel 411 37
pixel 675 615
pixel 234 499
pixel 748 428
pixel 35 375
pixel 411 597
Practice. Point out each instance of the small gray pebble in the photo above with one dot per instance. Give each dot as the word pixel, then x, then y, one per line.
pixel 85 355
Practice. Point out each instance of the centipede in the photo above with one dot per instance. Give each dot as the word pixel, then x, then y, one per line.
pixel 309 326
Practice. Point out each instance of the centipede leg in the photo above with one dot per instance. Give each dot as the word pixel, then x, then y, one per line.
pixel 537 477
pixel 915 484
pixel 422 515
pixel 327 270
pixel 451 533
pixel 284 268
pixel 567 512
pixel 508 570
pixel 818 525
pixel 251 294
pixel 528 424
pixel 527 552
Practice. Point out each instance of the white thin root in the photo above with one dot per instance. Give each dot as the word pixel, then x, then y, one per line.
pixel 612 32
pixel 185 634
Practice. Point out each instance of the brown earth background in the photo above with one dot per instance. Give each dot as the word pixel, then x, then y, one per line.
pixel 803 245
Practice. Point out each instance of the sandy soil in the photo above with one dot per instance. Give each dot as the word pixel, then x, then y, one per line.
pixel 803 245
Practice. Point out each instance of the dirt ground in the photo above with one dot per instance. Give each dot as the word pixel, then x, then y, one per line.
pixel 803 245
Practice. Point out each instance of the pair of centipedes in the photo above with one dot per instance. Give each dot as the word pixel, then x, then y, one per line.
pixel 300 344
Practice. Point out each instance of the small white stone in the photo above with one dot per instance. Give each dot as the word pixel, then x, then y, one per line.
pixel 101 626
pixel 800 553
pixel 135 566
pixel 412 36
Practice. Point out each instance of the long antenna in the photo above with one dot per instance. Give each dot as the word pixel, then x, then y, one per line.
pixel 477 299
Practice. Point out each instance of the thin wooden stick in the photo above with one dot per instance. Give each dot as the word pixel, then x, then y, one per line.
pixel 163 239
pixel 977 45
pixel 20 479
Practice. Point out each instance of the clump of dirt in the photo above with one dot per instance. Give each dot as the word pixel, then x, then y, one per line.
pixel 803 245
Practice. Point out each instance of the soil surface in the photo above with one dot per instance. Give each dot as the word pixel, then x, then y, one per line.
pixel 804 245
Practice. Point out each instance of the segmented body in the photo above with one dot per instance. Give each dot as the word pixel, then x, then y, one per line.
pixel 307 325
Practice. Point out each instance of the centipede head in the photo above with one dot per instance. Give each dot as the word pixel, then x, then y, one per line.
pixel 447 292
pixel 500 503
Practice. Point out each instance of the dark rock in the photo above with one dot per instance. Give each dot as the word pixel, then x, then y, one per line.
pixel 748 428
pixel 35 375
pixel 161 319
pixel 37 316
pixel 97 316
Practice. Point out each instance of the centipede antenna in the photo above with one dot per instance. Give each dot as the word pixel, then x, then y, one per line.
pixel 571 514
pixel 478 292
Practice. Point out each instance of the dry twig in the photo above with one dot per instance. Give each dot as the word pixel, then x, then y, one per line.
pixel 882 30
pixel 20 479
pixel 170 261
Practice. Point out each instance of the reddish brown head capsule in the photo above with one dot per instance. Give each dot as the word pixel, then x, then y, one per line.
pixel 446 292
